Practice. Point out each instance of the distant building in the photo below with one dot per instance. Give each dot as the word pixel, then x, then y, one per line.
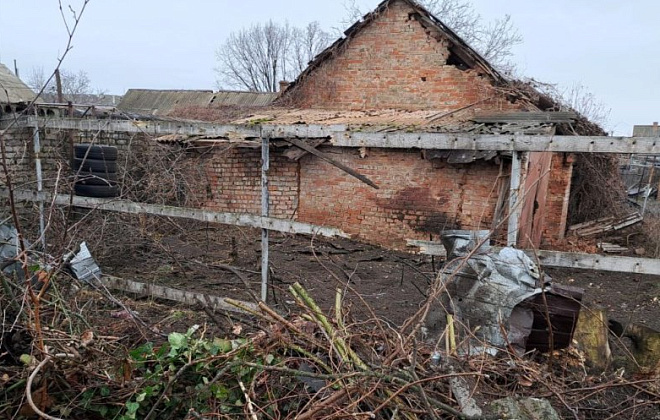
pixel 163 102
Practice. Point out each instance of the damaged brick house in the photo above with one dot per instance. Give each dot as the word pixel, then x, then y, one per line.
pixel 401 70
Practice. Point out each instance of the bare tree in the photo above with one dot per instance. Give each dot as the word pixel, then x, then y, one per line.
pixel 577 97
pixel 259 57
pixel 494 40
pixel 307 43
pixel 75 85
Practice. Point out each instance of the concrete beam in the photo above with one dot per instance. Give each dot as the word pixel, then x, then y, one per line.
pixel 126 206
pixel 340 135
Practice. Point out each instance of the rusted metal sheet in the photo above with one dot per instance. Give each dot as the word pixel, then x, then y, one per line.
pixel 561 305
pixel 506 296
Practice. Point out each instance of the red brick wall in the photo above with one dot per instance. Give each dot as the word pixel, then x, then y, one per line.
pixel 234 182
pixel 393 63
pixel 417 197
pixel 559 191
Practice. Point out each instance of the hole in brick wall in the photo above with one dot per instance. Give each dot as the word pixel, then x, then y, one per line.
pixel 423 78
pixel 455 60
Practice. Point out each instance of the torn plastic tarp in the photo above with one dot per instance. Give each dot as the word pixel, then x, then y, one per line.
pixel 495 294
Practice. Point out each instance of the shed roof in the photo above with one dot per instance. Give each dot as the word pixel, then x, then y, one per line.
pixel 162 102
pixel 12 89
pixel 233 98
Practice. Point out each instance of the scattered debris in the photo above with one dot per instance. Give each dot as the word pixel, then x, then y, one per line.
pixel 604 225
pixel 525 409
pixel 502 297
pixel 83 266
pixel 611 248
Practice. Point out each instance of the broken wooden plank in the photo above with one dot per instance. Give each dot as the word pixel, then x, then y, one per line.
pixel 606 219
pixel 161 292
pixel 605 224
pixel 304 146
pixel 629 221
pixel 507 117
pixel 611 248
pixel 296 153
pixel 126 206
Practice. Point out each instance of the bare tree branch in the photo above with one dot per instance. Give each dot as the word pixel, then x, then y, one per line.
pixel 75 85
pixel 259 57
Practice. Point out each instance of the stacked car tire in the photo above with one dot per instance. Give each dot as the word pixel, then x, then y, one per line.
pixel 95 169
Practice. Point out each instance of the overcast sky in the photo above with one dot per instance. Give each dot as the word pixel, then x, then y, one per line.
pixel 610 46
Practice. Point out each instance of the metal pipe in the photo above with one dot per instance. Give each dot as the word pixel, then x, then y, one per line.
pixel 40 185
pixel 265 166
pixel 514 192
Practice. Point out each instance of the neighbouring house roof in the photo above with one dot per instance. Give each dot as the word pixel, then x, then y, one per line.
pixel 12 89
pixel 163 102
pixel 100 99
pixel 646 130
pixel 233 98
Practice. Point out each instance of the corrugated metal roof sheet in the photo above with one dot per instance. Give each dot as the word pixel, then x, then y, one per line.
pixel 12 89
pixel 229 98
pixel 162 102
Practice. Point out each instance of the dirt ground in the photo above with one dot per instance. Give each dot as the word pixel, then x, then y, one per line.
pixel 391 284
pixel 628 298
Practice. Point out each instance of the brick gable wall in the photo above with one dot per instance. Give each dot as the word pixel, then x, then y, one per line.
pixel 396 63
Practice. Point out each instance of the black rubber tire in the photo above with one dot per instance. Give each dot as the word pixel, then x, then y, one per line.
pixel 101 191
pixel 96 178
pixel 108 153
pixel 95 165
